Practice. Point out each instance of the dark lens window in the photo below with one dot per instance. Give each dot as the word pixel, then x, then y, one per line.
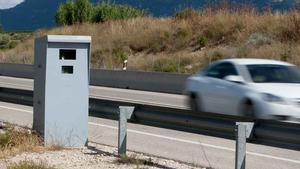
pixel 67 54
pixel 67 70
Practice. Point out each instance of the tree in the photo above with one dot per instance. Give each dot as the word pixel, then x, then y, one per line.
pixel 82 11
pixel 1 28
pixel 72 12
pixel 65 14
pixel 79 11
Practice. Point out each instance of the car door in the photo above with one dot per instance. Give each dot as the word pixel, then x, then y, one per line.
pixel 222 96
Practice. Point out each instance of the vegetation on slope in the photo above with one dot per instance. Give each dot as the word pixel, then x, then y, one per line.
pixel 183 43
pixel 79 11
pixel 11 40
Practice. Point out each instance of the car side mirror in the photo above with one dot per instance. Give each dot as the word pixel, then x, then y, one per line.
pixel 235 79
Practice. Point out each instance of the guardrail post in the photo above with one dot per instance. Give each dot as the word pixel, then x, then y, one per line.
pixel 124 114
pixel 243 131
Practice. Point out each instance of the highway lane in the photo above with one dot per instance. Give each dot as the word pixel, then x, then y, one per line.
pixel 175 101
pixel 139 97
pixel 188 147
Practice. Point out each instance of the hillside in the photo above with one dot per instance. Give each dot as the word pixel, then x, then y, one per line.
pixel 184 43
pixel 35 14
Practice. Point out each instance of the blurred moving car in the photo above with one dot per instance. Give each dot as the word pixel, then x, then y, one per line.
pixel 256 88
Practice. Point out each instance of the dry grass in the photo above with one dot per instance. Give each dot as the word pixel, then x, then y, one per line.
pixel 16 140
pixel 186 42
pixel 30 165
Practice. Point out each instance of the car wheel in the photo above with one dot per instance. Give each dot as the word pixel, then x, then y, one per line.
pixel 194 102
pixel 248 110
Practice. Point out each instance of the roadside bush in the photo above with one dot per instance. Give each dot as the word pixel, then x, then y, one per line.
pixel 202 41
pixel 4 41
pixel 177 64
pixel 186 14
pixel 9 40
pixel 79 11
pixel 12 44
pixel 1 29
pixel 165 65
pixel 65 14
pixel 74 11
pixel 120 55
pixel 107 11
pixel 286 55
pixel 82 11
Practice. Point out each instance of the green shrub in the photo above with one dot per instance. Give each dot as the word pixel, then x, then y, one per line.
pixel 65 14
pixel 74 11
pixel 202 41
pixel 5 139
pixel 120 55
pixel 186 14
pixel 79 11
pixel 82 11
pixel 4 40
pixel 1 29
pixel 286 55
pixel 157 46
pixel 165 65
pixel 12 44
pixel 108 11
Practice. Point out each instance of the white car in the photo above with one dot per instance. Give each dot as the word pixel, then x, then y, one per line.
pixel 256 88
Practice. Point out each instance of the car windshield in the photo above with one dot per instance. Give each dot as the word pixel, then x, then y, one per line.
pixel 274 74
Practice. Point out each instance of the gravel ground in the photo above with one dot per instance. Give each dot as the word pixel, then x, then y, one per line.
pixel 91 157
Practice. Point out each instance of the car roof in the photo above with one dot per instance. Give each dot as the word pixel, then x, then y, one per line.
pixel 244 61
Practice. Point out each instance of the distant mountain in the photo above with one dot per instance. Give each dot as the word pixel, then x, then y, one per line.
pixel 34 14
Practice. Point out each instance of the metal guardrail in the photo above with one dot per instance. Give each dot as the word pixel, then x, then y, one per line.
pixel 281 134
pixel 146 81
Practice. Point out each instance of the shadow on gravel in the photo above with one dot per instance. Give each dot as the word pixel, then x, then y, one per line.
pixel 127 160
pixel 99 152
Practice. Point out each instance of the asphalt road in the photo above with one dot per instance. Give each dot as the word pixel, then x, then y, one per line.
pixel 188 147
pixel 114 94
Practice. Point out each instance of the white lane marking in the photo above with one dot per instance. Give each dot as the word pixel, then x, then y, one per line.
pixel 165 137
pixel 15 85
pixel 176 139
pixel 15 78
pixel 197 143
pixel 139 102
pixel 134 91
pixel 16 109
pixel 183 107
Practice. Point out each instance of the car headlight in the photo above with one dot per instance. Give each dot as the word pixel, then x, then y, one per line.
pixel 272 98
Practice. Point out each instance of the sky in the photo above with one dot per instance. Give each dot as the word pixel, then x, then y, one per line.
pixel 5 4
